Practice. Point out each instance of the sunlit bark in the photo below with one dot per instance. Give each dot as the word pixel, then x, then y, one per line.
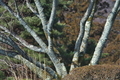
pixel 88 26
pixel 22 56
pixel 105 33
pixel 77 53
pixel 47 27
pixel 22 41
pixel 6 37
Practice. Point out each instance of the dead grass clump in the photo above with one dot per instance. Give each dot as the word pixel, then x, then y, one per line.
pixel 97 72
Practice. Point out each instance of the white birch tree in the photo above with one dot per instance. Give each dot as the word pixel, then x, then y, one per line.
pixel 108 25
pixel 80 45
pixel 81 42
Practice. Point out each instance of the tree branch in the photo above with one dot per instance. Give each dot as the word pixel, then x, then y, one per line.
pixel 22 41
pixel 30 7
pixel 41 16
pixel 4 39
pixel 88 26
pixel 16 7
pixel 80 36
pixel 60 67
pixel 24 55
pixel 52 16
pixel 50 24
pixel 35 36
pixel 37 68
pixel 38 64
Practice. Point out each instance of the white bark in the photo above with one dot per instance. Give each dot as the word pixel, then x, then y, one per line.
pixel 33 10
pixel 88 26
pixel 41 16
pixel 3 39
pixel 60 67
pixel 25 25
pixel 80 45
pixel 77 53
pixel 25 57
pixel 104 37
pixel 22 41
pixel 40 72
pixel 52 16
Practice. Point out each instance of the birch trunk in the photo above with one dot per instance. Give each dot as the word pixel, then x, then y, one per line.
pixel 59 65
pixel 86 34
pixel 77 53
pixel 104 37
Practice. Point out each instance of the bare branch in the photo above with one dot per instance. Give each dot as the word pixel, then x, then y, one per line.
pixel 30 7
pixel 81 34
pixel 36 67
pixel 8 8
pixel 41 15
pixel 16 7
pixel 8 53
pixel 82 25
pixel 26 44
pixel 24 55
pixel 26 26
pixel 52 16
pixel 88 26
pixel 4 39
pixel 50 24
pixel 60 67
